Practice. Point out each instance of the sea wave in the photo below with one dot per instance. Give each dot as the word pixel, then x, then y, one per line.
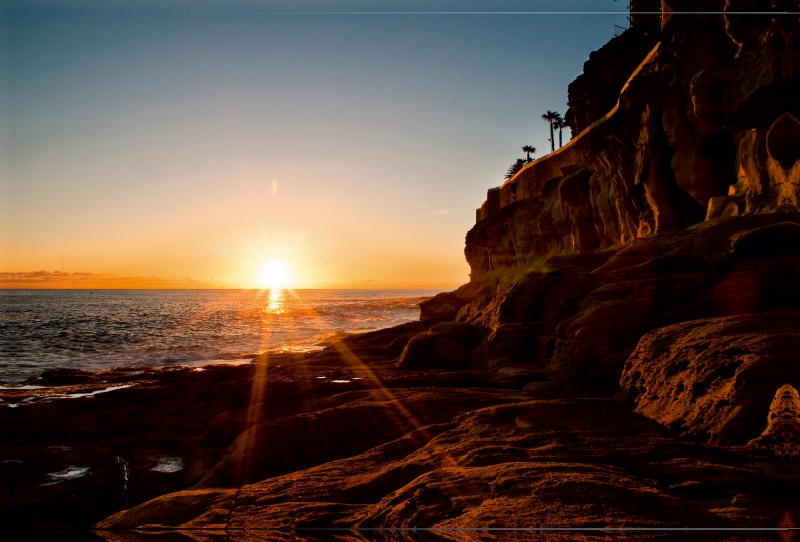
pixel 100 329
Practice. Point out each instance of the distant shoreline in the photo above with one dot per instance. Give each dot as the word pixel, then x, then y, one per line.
pixel 57 280
pixel 28 289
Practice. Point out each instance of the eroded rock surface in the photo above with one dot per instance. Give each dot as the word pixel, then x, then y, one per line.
pixel 76 460
pixel 782 434
pixel 580 316
pixel 714 378
pixel 579 462
pixel 704 125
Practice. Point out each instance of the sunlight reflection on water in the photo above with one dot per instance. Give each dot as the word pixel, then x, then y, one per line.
pixel 100 329
pixel 277 303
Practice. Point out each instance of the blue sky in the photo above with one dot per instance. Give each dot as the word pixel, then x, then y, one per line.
pixel 201 138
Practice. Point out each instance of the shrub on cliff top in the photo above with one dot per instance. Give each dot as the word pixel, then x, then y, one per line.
pixel 515 167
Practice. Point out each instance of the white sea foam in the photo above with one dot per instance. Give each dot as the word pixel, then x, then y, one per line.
pixel 50 397
pixel 91 393
pixel 168 465
pixel 70 473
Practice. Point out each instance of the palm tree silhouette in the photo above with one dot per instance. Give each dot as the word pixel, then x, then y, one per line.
pixel 560 124
pixel 551 117
pixel 527 149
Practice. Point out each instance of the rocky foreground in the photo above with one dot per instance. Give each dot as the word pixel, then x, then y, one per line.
pixel 438 424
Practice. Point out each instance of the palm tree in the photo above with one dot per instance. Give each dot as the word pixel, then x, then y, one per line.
pixel 515 167
pixel 551 117
pixel 560 124
pixel 527 149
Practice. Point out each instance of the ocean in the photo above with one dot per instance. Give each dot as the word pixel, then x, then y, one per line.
pixel 99 329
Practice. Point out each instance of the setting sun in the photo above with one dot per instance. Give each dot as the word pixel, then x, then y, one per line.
pixel 274 275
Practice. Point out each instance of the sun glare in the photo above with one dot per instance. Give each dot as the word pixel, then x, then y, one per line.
pixel 274 275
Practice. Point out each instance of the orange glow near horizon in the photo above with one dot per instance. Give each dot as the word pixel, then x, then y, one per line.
pixel 317 253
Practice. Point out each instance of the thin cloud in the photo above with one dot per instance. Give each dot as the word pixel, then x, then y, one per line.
pixel 58 280
pixel 437 212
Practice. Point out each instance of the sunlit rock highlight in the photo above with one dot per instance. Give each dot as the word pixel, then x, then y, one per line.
pixel 783 424
pixel 703 127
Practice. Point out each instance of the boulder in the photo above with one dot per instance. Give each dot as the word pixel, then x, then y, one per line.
pixel 62 377
pixel 510 344
pixel 714 379
pixel 447 304
pixel 613 318
pixel 766 242
pixel 445 346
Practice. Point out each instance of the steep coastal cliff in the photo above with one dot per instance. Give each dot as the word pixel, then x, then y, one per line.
pixel 687 139
pixel 638 222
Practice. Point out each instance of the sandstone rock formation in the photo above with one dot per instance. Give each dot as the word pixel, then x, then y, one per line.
pixel 544 463
pixel 224 426
pixel 579 316
pixel 443 346
pixel 783 424
pixel 714 378
pixel 701 127
pixel 671 219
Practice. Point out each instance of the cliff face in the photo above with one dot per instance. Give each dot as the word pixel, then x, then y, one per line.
pixel 702 127
pixel 596 91
pixel 656 252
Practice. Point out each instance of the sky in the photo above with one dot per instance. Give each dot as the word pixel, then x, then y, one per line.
pixel 185 143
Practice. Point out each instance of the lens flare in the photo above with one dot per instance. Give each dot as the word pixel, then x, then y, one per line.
pixel 274 275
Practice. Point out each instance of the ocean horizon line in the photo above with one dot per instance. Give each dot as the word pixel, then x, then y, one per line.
pixel 12 289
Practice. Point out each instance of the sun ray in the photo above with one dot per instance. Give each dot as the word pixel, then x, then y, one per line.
pixel 402 417
pixel 396 411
